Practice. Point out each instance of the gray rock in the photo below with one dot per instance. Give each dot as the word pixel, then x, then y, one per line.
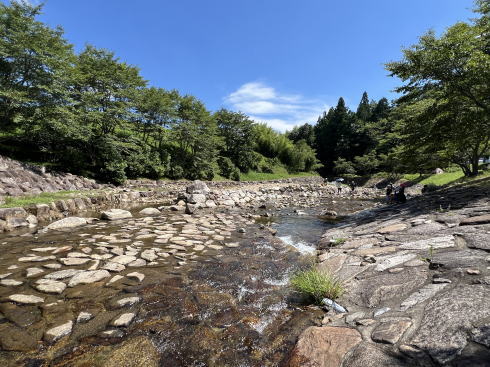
pixel 368 355
pixel 26 299
pixel 128 301
pixel 58 332
pixel 115 214
pixel 197 187
pixel 114 267
pixel 71 261
pixel 10 282
pixel 32 272
pixel 389 261
pixel 435 243
pixel 390 331
pixel 381 311
pixel 422 295
pixel 62 274
pixel 69 222
pixel 123 259
pixel 50 286
pixel 123 320
pixel 150 211
pixel 136 275
pixel 449 317
pixel 84 317
pixel 86 277
pixel 477 240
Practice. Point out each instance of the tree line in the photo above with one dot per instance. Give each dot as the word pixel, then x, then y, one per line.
pixel 442 116
pixel 93 114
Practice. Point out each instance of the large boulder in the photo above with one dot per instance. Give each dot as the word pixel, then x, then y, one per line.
pixel 114 214
pixel 323 346
pixel 69 222
pixel 198 187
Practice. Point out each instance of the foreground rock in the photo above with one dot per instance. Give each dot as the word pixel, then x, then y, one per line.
pixel 323 346
pixel 115 214
pixel 69 222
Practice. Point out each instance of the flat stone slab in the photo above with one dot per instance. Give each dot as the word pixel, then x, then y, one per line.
pixel 123 259
pixel 69 222
pixel 323 346
pixel 62 274
pixel 449 318
pixel 435 243
pixel 422 295
pixel 393 228
pixel 479 241
pixel 115 214
pixel 58 332
pixel 50 286
pixel 73 261
pixel 389 332
pixel 390 261
pixel 123 320
pixel 87 277
pixel 480 219
pixel 114 267
pixel 26 299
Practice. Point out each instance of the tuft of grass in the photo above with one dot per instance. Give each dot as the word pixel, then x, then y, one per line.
pixel 337 241
pixel 317 284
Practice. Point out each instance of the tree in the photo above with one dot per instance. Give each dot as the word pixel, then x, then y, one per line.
pixel 447 89
pixel 237 131
pixel 304 132
pixel 364 109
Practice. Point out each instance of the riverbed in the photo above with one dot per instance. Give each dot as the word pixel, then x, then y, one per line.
pixel 208 289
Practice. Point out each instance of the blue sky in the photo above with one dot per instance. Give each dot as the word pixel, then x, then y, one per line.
pixel 279 61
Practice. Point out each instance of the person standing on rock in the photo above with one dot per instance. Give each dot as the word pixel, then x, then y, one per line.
pixel 389 193
pixel 338 183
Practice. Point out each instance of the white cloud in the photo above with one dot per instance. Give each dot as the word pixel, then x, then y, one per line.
pixel 281 111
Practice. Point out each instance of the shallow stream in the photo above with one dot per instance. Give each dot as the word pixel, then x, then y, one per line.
pixel 214 292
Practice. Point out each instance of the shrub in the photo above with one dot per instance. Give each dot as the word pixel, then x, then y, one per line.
pixel 317 285
pixel 226 167
pixel 235 174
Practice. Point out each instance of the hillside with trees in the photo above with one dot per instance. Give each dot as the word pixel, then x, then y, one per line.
pixel 91 113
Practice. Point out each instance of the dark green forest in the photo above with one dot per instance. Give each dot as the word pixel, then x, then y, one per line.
pixel 93 114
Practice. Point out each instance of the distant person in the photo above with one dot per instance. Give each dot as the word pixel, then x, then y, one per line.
pixel 338 183
pixel 389 193
pixel 352 185
pixel 400 194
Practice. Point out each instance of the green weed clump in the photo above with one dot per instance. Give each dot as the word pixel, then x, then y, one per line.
pixel 317 284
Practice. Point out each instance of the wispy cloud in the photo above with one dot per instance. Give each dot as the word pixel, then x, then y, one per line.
pixel 281 111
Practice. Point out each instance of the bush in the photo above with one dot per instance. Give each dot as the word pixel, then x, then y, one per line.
pixel 226 167
pixel 317 285
pixel 235 174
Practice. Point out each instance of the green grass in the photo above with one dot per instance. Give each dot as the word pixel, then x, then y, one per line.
pixel 446 178
pixel 317 285
pixel 43 198
pixel 337 241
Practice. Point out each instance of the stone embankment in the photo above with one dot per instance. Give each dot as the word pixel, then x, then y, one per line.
pixel 282 193
pixel 417 280
pixel 17 179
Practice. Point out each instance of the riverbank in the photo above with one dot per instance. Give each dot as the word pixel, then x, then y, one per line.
pixel 417 280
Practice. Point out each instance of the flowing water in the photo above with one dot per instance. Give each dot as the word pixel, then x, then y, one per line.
pixel 215 295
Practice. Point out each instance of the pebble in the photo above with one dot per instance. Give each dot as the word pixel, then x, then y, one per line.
pixel 473 271
pixel 441 280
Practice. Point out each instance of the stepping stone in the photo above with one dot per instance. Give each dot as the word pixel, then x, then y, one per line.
pixel 84 317
pixel 32 272
pixel 44 249
pixel 62 274
pixel 2 276
pixel 87 277
pixel 124 319
pixel 10 282
pixel 50 286
pixel 26 299
pixel 115 214
pixel 115 267
pixel 115 278
pixel 136 275
pixel 73 261
pixel 137 263
pixel 36 258
pixel 128 301
pixel 58 332
pixel 123 259
pixel 149 255
pixel 52 266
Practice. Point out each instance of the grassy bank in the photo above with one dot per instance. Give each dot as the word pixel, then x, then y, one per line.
pixel 443 179
pixel 44 198
pixel 278 175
